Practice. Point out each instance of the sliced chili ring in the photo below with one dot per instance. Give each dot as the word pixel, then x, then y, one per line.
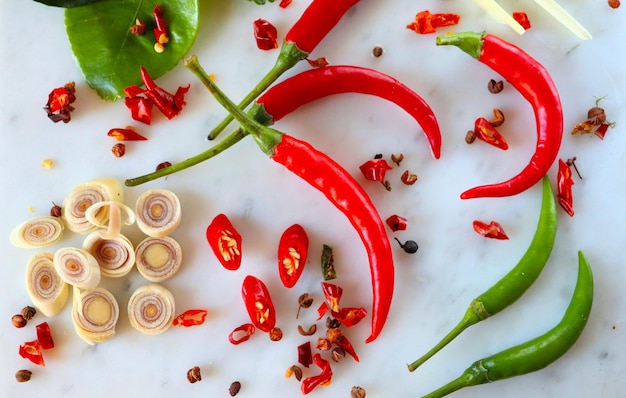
pixel 258 303
pixel 292 254
pixel 44 336
pixel 241 333
pixel 190 318
pixel 225 242
pixel 31 350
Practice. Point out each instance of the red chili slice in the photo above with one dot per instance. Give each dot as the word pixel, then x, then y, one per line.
pixel 241 333
pixel 565 183
pixel 397 223
pixel 126 134
pixel 425 22
pixel 332 293
pixel 522 18
pixel 190 318
pixel 258 303
pixel 305 356
pixel 44 336
pixel 225 242
pixel 350 316
pixel 265 34
pixel 492 230
pixel 323 378
pixel 375 169
pixel 485 131
pixel 31 350
pixel 292 254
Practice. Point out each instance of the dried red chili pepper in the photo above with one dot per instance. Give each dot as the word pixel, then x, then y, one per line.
pixel 564 185
pixel 397 223
pixel 305 355
pixel 225 242
pixel 533 81
pixel 522 18
pixel 31 350
pixel 265 34
pixel 258 303
pixel 44 336
pixel 492 230
pixel 375 169
pixel 485 131
pixel 425 22
pixel 59 105
pixel 126 134
pixel 323 378
pixel 292 254
pixel 190 318
pixel 246 330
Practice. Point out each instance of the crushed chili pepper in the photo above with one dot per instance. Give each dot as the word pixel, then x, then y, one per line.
pixel 31 350
pixel 317 63
pixel 190 318
pixel 265 34
pixel 328 263
pixel 375 169
pixel 241 333
pixel 44 336
pixel 305 356
pixel 349 316
pixel 522 18
pixel 492 230
pixel 333 294
pixel 485 131
pixel 397 223
pixel 160 31
pixel 601 130
pixel 323 378
pixel 126 134
pixel 258 303
pixel 59 105
pixel 564 185
pixel 225 242
pixel 425 22
pixel 322 310
pixel 139 28
pixel 284 3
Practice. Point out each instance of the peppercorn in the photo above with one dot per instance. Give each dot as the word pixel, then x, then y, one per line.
pixel 410 246
pixel 23 375
pixel 193 374
pixel 614 3
pixel 55 211
pixel 18 321
pixel 495 87
pixel 357 392
pixel 276 334
pixel 596 115
pixel 337 354
pixel 470 137
pixel 234 388
pixel 310 331
pixel 498 118
pixel 118 150
pixel 163 165
pixel 377 51
pixel 397 158
pixel 408 178
pixel 295 371
pixel 332 323
pixel 28 312
pixel 304 301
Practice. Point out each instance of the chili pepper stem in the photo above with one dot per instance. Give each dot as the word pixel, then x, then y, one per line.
pixel 289 56
pixel 218 148
pixel 266 138
pixel 470 42
pixel 465 380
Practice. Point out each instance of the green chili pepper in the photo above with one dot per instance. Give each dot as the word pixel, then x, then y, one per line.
pixel 537 353
pixel 511 287
pixel 328 263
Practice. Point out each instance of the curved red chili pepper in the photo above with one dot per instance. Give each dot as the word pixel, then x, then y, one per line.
pixel 258 303
pixel 225 242
pixel 310 85
pixel 565 183
pixel 292 254
pixel 533 81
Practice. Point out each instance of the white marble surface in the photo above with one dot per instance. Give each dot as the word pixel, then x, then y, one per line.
pixel 433 287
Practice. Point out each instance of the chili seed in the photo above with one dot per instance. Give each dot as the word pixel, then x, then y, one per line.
pixel 377 51
pixel 276 334
pixel 18 321
pixel 118 150
pixel 397 158
pixel 47 164
pixel 337 354
pixel 498 118
pixel 407 178
pixel 193 374
pixel 310 331
pixel 28 312
pixel 23 375
pixel 410 246
pixel 294 370
pixel 357 392
pixel 55 211
pixel 614 3
pixel 163 165
pixel 495 87
pixel 234 388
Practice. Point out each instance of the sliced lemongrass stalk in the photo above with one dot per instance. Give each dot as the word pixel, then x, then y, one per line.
pixel 500 14
pixel 158 212
pixel 95 313
pixel 565 18
pixel 113 223
pixel 151 309
pixel 115 256
pixel 158 259
pixel 77 267
pixel 37 232
pixel 83 196
pixel 46 289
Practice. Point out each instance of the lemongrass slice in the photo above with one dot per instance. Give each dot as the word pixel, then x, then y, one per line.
pixel 115 256
pixel 37 232
pixel 83 196
pixel 151 309
pixel 158 259
pixel 114 224
pixel 565 18
pixel 77 267
pixel 46 289
pixel 158 212
pixel 95 313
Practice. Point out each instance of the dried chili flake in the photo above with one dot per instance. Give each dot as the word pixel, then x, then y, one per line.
pixel 190 318
pixel 139 28
pixel 265 34
pixel 425 22
pixel 44 336
pixel 492 230
pixel 602 129
pixel 126 134
pixel 305 357
pixel 59 105
pixel 322 310
pixel 284 3
pixel 31 350
pixel 375 169
pixel 160 31
pixel 317 63
pixel 485 131
pixel 397 223
pixel 522 18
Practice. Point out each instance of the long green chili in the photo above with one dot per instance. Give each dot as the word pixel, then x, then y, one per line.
pixel 537 353
pixel 511 287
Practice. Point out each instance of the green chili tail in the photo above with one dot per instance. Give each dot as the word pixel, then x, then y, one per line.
pixel 470 42
pixel 289 56
pixel 472 376
pixel 474 314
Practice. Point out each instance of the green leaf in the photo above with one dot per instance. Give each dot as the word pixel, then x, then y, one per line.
pixel 66 3
pixel 109 55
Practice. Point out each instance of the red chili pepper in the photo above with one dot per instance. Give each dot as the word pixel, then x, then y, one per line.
pixel 602 129
pixel 492 230
pixel 305 356
pixel 160 31
pixel 169 104
pixel 333 294
pixel 292 254
pixel 310 85
pixel 246 330
pixel 522 18
pixel 485 131
pixel 336 184
pixel 397 223
pixel 564 183
pixel 425 22
pixel 285 3
pixel 31 350
pixel 265 34
pixel 322 310
pixel 59 105
pixel 350 316
pixel 375 169
pixel 126 134
pixel 533 81
pixel 190 318
pixel 225 242
pixel 44 336
pixel 323 378
pixel 343 342
pixel 140 108
pixel 258 303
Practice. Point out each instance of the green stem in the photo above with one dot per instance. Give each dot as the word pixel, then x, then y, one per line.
pixel 265 137
pixel 470 42
pixel 220 147
pixel 289 56
pixel 465 380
